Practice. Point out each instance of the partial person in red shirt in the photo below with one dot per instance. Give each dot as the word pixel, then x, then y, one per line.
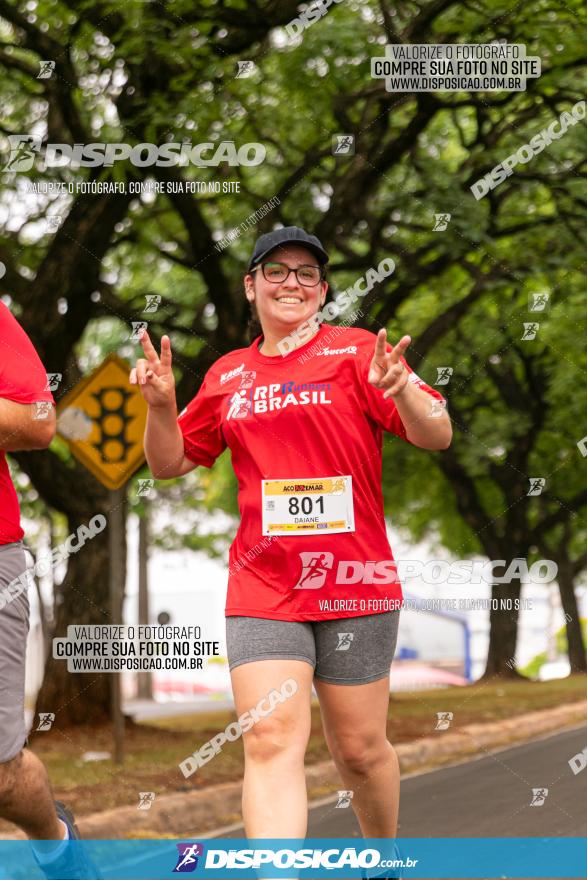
pixel 313 593
pixel 27 422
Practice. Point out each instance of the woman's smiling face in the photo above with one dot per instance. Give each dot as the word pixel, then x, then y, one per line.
pixel 283 305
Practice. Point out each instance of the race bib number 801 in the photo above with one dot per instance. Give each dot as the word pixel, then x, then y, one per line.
pixel 308 506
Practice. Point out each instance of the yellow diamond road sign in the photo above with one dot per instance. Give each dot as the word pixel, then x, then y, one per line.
pixel 103 421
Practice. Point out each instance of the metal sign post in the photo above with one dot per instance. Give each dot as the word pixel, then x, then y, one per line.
pixel 103 421
pixel 144 679
pixel 117 526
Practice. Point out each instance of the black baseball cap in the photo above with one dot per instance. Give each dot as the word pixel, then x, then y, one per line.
pixel 288 235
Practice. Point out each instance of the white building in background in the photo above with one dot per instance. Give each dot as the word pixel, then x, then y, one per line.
pixel 191 588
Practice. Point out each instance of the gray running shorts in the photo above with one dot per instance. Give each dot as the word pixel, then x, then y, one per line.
pixel 349 650
pixel 14 628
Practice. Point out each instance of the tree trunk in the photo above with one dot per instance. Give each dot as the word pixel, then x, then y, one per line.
pixel 144 682
pixel 503 632
pixel 575 645
pixel 82 599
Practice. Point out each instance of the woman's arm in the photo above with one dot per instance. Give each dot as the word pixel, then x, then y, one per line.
pixel 164 444
pixel 163 438
pixel 426 423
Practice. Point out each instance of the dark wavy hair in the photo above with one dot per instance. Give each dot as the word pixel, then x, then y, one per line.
pixel 254 328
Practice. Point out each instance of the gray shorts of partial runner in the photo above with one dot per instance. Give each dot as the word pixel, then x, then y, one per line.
pixel 14 628
pixel 349 650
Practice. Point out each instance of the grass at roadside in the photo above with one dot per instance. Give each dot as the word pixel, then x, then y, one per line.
pixel 154 751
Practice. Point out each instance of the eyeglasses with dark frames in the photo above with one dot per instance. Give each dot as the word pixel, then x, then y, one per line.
pixel 276 273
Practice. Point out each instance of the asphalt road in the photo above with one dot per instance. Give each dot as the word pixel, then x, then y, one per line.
pixel 487 797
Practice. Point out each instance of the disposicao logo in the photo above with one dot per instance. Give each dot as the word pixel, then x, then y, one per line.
pixel 25 147
pixel 187 859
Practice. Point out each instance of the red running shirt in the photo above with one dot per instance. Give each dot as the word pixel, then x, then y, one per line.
pixel 310 414
pixel 23 380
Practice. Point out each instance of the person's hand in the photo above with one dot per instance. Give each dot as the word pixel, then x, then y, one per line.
pixel 153 373
pixel 386 370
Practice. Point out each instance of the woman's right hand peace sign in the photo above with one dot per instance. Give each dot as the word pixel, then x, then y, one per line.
pixel 153 373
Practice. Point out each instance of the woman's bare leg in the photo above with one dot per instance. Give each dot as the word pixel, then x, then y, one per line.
pixel 275 801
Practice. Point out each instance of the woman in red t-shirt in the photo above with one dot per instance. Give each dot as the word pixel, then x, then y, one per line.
pixel 313 598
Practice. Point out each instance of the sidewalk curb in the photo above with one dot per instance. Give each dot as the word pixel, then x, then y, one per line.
pixel 220 805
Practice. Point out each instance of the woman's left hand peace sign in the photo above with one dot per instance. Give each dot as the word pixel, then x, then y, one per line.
pixel 386 370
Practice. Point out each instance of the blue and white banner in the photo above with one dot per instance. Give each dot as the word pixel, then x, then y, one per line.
pixel 225 858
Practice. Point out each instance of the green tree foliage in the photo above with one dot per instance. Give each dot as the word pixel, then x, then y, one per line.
pixel 157 72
